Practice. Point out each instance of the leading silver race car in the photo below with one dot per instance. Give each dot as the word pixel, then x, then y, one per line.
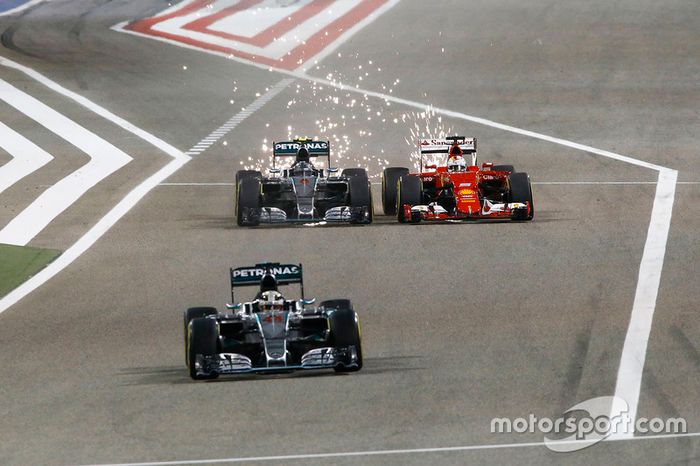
pixel 271 333
pixel 303 192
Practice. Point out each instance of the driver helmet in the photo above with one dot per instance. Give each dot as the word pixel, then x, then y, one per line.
pixel 303 155
pixel 456 163
pixel 271 301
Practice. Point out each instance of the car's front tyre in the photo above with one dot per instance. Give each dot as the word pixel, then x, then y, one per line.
pixel 360 192
pixel 202 340
pixel 410 193
pixel 390 180
pixel 521 191
pixel 345 333
pixel 248 202
pixel 189 315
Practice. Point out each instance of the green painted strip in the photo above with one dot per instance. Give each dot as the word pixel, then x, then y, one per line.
pixel 18 263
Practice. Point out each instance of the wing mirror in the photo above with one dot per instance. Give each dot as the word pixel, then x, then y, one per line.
pixel 487 165
pixel 275 171
pixel 234 307
pixel 308 302
pixel 332 170
pixel 432 166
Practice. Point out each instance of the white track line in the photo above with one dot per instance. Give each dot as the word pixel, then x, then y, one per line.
pixel 197 184
pixel 584 183
pixel 22 7
pixel 481 121
pixel 408 451
pixel 27 157
pixel 118 211
pixel 552 183
pixel 629 376
pixel 105 159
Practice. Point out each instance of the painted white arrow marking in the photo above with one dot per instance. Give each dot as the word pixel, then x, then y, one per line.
pixel 27 157
pixel 105 159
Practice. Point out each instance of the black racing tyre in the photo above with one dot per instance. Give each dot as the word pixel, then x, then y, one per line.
pixel 350 172
pixel 410 192
pixel 194 313
pixel 243 174
pixel 361 195
pixel 521 191
pixel 336 304
pixel 248 197
pixel 503 168
pixel 202 337
pixel 345 330
pixel 390 180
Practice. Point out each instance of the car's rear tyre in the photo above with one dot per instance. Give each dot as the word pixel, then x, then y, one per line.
pixel 410 192
pixel 350 172
pixel 202 338
pixel 503 168
pixel 243 174
pixel 361 196
pixel 195 313
pixel 390 180
pixel 521 191
pixel 345 330
pixel 248 200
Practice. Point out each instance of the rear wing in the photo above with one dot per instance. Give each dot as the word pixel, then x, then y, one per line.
pixel 285 274
pixel 443 146
pixel 290 148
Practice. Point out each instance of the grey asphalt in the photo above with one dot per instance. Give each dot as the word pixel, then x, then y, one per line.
pixel 460 323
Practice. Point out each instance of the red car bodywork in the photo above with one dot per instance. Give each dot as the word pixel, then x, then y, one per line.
pixel 477 193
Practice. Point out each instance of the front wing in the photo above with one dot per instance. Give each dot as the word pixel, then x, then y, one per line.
pixel 341 214
pixel 490 211
pixel 318 358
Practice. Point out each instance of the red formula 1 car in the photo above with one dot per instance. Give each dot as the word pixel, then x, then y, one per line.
pixel 457 190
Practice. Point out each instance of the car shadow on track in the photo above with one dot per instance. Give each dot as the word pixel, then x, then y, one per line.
pixel 175 375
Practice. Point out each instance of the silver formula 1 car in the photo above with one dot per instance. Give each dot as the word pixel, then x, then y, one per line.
pixel 271 333
pixel 302 192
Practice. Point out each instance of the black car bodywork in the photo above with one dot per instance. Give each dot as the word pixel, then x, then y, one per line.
pixel 245 339
pixel 302 192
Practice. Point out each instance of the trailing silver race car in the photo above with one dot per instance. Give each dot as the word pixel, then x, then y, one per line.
pixel 271 333
pixel 302 192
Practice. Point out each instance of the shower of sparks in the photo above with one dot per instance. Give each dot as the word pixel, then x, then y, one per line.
pixel 425 125
pixel 355 124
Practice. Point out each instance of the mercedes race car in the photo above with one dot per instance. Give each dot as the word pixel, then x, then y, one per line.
pixel 303 192
pixel 271 334
pixel 457 190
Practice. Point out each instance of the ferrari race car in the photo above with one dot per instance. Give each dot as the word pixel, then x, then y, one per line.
pixel 303 192
pixel 271 334
pixel 457 190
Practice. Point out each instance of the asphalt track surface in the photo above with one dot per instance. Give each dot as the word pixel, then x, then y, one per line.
pixel 460 323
